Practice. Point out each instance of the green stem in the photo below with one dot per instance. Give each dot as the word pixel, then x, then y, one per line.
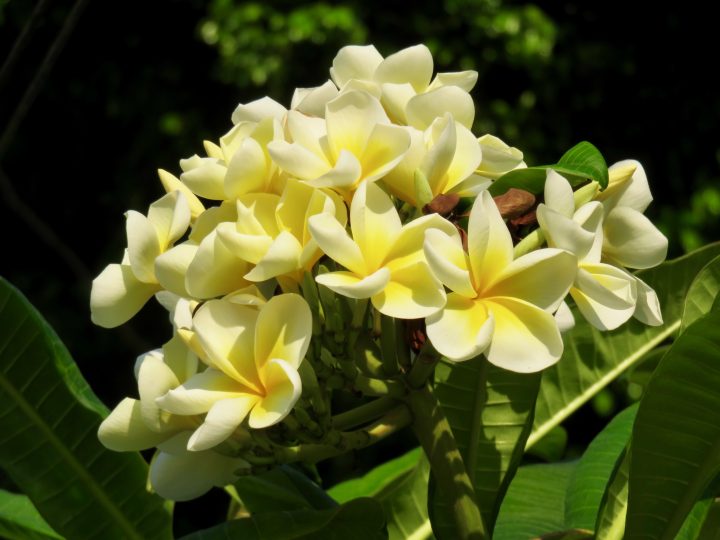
pixel 448 469
pixel 423 366
pixel 531 242
pixel 378 387
pixel 364 413
pixel 387 345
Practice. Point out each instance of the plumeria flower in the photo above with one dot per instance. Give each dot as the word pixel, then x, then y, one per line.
pixel 272 232
pixel 446 154
pixel 354 142
pixel 309 101
pixel 498 158
pixel 605 294
pixel 122 289
pixel 253 356
pixel 139 424
pixel 403 82
pixel 499 306
pixel 384 259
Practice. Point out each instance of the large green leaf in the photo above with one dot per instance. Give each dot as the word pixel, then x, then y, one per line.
pixel 360 519
pixel 20 520
pixel 282 488
pixel 711 526
pixel 592 359
pixel 534 504
pixel 702 292
pixel 582 162
pixel 587 484
pixel 490 412
pixel 610 523
pixel 676 437
pixel 405 504
pixel 49 445
pixel 377 479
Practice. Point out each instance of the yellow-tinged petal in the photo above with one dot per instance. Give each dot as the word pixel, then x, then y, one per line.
pixel 490 247
pixel 117 295
pixel 497 157
pixel 172 183
pixel 307 131
pixel 438 159
pixel 170 216
pixel 351 118
pixel 258 110
pixel 408 246
pixel 256 213
pixel 171 267
pixel 297 160
pixel 198 394
pixel 385 148
pixel 223 418
pixel 413 292
pixel 559 194
pixel 563 232
pixel 124 430
pixel 375 223
pixel 541 277
pixel 632 240
pixel 155 379
pixel 526 338
pixel 462 329
pixel 143 246
pixel 353 285
pixel 448 261
pixel 282 257
pixel 463 79
pixel 647 309
pixel 209 219
pixel 247 170
pixel 226 331
pixel 283 330
pixel 355 62
pixel 312 101
pixel 401 179
pixel 179 358
pixel 628 186
pixel 204 176
pixel 412 65
pixel 335 242
pixel 423 109
pixel 343 176
pixel 466 159
pixel 605 295
pixel 282 390
pixel 395 98
pixel 215 270
pixel 249 247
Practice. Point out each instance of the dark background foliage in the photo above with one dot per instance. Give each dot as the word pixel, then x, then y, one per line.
pixel 139 85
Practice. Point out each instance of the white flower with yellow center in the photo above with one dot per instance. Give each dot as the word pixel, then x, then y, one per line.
pixel 122 289
pixel 605 294
pixel 354 142
pixel 498 158
pixel 384 259
pixel 139 424
pixel 403 83
pixel 499 306
pixel 253 356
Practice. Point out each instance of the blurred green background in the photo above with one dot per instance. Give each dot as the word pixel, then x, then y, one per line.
pixel 138 85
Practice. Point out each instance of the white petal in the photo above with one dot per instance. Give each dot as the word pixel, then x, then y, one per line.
pixel 204 176
pixel 564 318
pixel 355 62
pixel 647 309
pixel 395 98
pixel 468 155
pixel 559 194
pixel 210 218
pixel 335 242
pixel 297 160
pixel 312 101
pixel 221 421
pixel 423 109
pixel 345 174
pixel 462 329
pixel 628 186
pixel 170 217
pixel 563 232
pixel 497 157
pixel 448 261
pixel 375 223
pixel 632 240
pixel 412 65
pixel 155 379
pixel 171 183
pixel 143 246
pixel 440 156
pixel 462 79
pixel 282 257
pixel 354 286
pixel 490 247
pixel 385 148
pixel 215 270
pixel 413 292
pixel 351 118
pixel 117 295
pixel 171 267
pixel 282 390
pixel 198 394
pixel 605 295
pixel 247 170
pixel 283 330
pixel 258 110
pixel 124 430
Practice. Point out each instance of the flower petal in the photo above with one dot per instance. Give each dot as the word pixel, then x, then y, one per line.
pixel 282 257
pixel 375 223
pixel 282 390
pixel 466 159
pixel 215 270
pixel 335 242
pixel 226 331
pixel 628 187
pixel 542 278
pixel 605 295
pixel 408 246
pixel 171 183
pixel 423 109
pixel 125 431
pixel 497 157
pixel 351 118
pixel 559 194
pixel 221 421
pixel 632 240
pixel 297 160
pixel 395 98
pixel 412 65
pixel 198 394
pixel 283 330
pixel 564 318
pixel 170 216
pixel 258 110
pixel 526 338
pixel 250 247
pixel 204 176
pixel 354 286
pixel 247 170
pixel 413 292
pixel 385 148
pixel 462 329
pixel 563 232
pixel 172 266
pixel 155 379
pixel 647 309
pixel 143 246
pixel 440 156
pixel 117 295
pixel 312 101
pixel 490 247
pixel 462 79
pixel 345 174
pixel 448 261
pixel 354 62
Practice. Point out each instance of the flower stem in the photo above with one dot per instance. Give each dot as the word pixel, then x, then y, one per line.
pixel 363 413
pixel 448 469
pixel 378 387
pixel 423 366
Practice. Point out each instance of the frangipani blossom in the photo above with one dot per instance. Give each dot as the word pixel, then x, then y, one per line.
pixel 384 260
pixel 605 294
pixel 498 158
pixel 446 154
pixel 122 289
pixel 499 306
pixel 354 142
pixel 253 356
pixel 309 101
pixel 403 83
pixel 139 424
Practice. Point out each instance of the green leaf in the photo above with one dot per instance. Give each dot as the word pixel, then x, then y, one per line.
pixel 610 523
pixel 676 438
pixel 592 359
pixel 702 293
pixel 377 479
pixel 593 471
pixel 20 520
pixel 49 445
pixel 534 504
pixel 360 519
pixel 490 412
pixel 582 162
pixel 552 446
pixel 282 488
pixel 711 526
pixel 405 503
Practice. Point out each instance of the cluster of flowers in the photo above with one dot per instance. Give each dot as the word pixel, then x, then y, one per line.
pixel 341 189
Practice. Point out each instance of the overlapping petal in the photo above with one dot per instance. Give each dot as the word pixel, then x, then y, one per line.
pixel 463 329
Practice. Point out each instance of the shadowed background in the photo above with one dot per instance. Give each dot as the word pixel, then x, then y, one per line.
pixel 133 86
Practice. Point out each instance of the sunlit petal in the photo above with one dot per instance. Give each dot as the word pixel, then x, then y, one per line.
pixel 490 247
pixel 354 286
pixel 171 267
pixel 375 223
pixel 355 62
pixel 605 295
pixel 215 270
pixel 448 261
pixel 221 421
pixel 247 170
pixel 462 329
pixel 170 216
pixel 258 110
pixel 351 118
pixel 632 240
pixel 125 431
pixel 283 330
pixel 345 174
pixel 647 309
pixel 559 194
pixel 335 242
pixel 282 390
pixel 171 183
pixel 628 186
pixel 412 292
pixel 462 79
pixel 198 394
pixel 413 65
pixel 297 160
pixel 204 176
pixel 117 295
pixel 143 246
pixel 423 109
pixel 385 148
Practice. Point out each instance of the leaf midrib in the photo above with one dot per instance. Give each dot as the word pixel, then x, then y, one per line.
pixel 68 456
